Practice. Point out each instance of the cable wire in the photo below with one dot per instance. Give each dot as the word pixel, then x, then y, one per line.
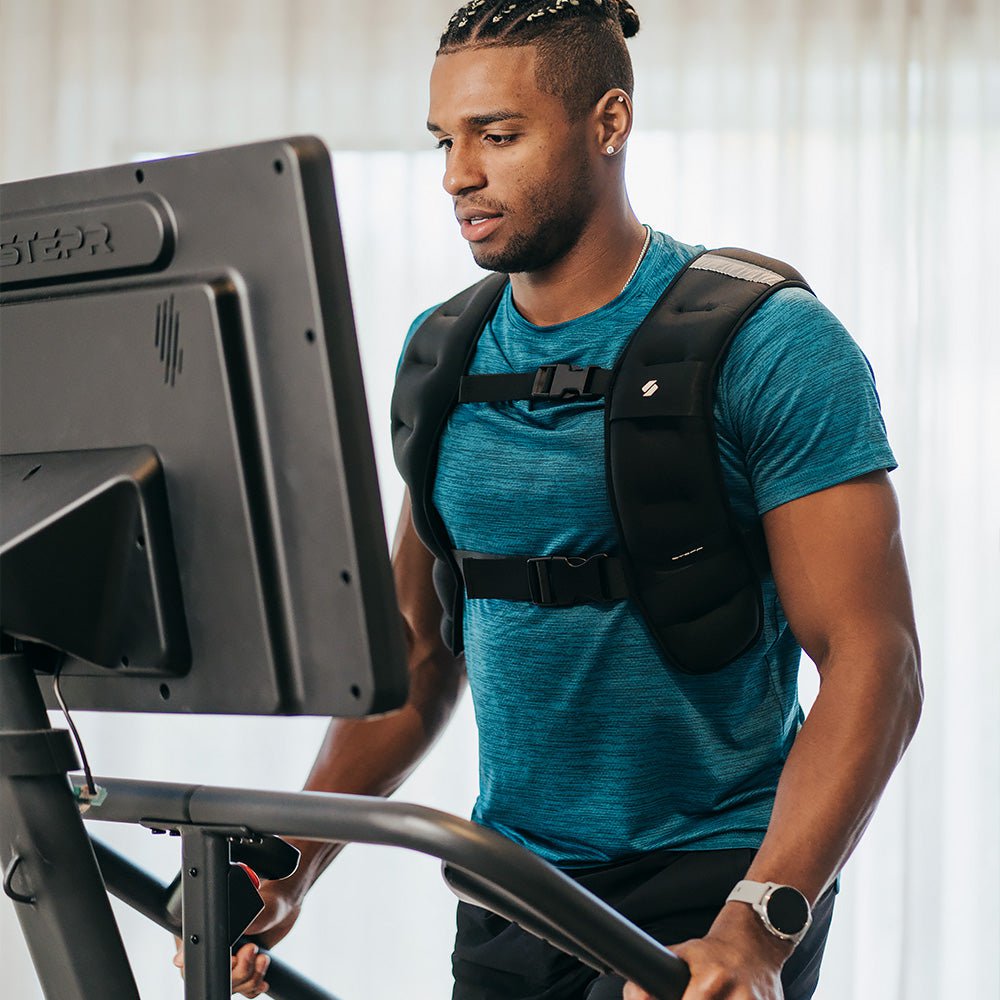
pixel 91 787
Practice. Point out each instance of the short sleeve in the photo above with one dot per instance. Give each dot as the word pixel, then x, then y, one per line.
pixel 799 398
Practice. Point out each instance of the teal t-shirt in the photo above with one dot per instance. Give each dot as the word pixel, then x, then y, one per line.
pixel 591 747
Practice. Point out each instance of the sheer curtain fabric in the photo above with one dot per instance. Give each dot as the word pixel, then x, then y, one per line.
pixel 857 139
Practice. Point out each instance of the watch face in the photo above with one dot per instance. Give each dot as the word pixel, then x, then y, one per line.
pixel 787 910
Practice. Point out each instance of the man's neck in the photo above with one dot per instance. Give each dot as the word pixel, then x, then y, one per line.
pixel 586 278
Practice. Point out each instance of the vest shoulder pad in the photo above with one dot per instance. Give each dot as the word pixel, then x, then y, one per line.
pixel 426 389
pixel 692 569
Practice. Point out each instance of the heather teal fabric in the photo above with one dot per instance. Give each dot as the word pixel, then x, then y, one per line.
pixel 591 748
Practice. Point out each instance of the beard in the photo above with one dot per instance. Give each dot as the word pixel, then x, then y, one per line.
pixel 557 218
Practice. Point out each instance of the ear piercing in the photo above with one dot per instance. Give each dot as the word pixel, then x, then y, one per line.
pixel 610 150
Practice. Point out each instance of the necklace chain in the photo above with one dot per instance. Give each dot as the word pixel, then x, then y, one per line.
pixel 642 256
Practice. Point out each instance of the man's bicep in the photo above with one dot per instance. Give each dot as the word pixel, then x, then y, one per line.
pixel 838 563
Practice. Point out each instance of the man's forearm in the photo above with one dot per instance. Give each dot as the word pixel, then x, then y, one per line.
pixel 861 723
pixel 842 758
pixel 375 756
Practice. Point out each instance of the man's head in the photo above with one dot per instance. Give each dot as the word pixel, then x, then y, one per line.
pixel 527 100
pixel 580 43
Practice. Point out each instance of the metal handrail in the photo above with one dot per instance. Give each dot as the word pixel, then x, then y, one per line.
pixel 535 893
pixel 147 895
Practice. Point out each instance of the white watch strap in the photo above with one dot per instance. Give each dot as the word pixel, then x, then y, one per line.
pixel 751 892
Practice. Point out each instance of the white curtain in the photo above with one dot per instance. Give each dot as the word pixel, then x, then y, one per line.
pixel 858 139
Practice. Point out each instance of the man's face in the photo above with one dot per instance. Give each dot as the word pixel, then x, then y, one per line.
pixel 517 169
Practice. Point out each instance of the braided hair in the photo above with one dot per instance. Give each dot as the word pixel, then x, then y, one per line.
pixel 581 51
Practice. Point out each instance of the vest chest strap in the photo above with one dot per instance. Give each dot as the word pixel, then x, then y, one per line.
pixel 548 581
pixel 549 383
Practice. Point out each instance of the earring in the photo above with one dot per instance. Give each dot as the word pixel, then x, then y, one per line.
pixel 611 150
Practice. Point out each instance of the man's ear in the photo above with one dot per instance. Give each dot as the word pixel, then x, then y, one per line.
pixel 613 121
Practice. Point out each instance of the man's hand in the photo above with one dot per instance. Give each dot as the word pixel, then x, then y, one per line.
pixel 280 912
pixel 248 969
pixel 737 960
pixel 721 970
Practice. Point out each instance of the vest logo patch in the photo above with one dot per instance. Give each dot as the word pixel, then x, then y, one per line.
pixel 650 387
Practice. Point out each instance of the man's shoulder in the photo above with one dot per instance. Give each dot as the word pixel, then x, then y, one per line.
pixel 786 315
pixel 792 322
pixel 794 306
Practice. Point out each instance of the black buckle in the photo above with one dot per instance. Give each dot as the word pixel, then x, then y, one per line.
pixel 581 579
pixel 564 382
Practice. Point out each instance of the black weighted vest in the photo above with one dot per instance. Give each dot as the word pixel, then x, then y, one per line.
pixel 683 559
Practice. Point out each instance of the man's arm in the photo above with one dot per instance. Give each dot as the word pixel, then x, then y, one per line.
pixel 367 756
pixel 838 563
pixel 375 756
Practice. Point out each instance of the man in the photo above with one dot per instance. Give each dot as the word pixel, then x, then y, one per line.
pixel 657 789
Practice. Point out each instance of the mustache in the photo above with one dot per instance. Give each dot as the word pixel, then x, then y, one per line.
pixel 495 207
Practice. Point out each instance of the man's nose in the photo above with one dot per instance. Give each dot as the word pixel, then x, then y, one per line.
pixel 464 170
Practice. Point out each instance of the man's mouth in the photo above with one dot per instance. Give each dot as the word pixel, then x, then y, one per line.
pixel 477 226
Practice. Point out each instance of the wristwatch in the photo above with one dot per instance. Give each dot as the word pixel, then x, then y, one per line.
pixel 783 909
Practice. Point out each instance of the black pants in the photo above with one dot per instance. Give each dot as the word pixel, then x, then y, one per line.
pixel 672 895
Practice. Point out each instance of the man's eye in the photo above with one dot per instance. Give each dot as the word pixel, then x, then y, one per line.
pixel 501 140
pixel 444 144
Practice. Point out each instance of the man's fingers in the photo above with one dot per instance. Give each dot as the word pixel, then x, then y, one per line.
pixel 245 965
pixel 248 971
pixel 243 961
pixel 179 955
pixel 260 967
pixel 712 979
pixel 249 967
pixel 634 992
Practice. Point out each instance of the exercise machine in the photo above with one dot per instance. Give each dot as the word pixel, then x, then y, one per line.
pixel 190 522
